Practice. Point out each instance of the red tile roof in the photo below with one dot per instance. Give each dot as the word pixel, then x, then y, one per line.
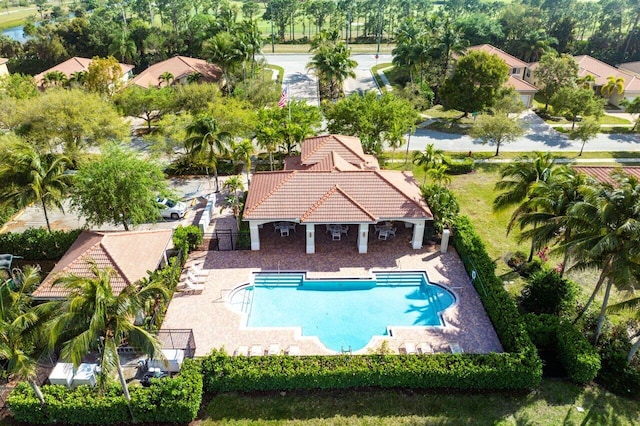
pixel 512 61
pixel 520 85
pixel 180 67
pixel 335 197
pixel 600 70
pixel 603 173
pixel 75 64
pixel 349 148
pixel 131 254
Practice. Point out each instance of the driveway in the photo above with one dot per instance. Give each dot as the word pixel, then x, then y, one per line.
pixel 364 80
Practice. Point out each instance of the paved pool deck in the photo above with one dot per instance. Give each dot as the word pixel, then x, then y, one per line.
pixel 216 325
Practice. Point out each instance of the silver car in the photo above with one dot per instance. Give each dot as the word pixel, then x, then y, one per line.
pixel 170 209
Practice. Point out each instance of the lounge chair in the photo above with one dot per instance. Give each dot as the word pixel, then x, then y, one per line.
pixel 197 269
pixel 409 348
pixel 455 348
pixel 293 350
pixel 195 278
pixel 424 348
pixel 274 349
pixel 191 287
pixel 241 350
pixel 256 350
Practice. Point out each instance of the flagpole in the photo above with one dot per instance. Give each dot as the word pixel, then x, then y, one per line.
pixel 289 102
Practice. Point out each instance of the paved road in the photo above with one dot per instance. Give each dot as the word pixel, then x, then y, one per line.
pixel 364 80
pixel 301 83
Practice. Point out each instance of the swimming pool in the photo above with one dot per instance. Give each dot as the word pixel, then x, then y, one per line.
pixel 343 313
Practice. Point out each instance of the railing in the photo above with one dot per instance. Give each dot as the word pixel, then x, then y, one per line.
pixel 226 240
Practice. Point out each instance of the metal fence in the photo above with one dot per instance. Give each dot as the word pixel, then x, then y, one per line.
pixel 178 338
pixel 226 240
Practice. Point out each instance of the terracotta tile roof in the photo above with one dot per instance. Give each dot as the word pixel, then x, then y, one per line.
pixel 334 197
pixel 632 67
pixel 180 67
pixel 603 173
pixel 512 61
pixel 75 64
pixel 316 149
pixel 332 161
pixel 131 254
pixel 520 85
pixel 3 61
pixel 600 70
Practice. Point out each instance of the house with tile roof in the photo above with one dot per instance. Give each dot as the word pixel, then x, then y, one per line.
pixel 517 71
pixel 603 173
pixel 3 67
pixel 78 64
pixel 333 181
pixel 180 67
pixel 601 71
pixel 131 255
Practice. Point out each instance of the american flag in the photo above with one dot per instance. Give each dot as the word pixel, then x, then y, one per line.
pixel 283 98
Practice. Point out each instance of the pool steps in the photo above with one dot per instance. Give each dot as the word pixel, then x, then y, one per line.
pixel 381 279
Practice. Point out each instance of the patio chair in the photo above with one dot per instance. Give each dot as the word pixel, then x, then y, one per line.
pixel 455 348
pixel 383 234
pixel 274 349
pixel 191 287
pixel 424 348
pixel 284 232
pixel 197 269
pixel 256 350
pixel 336 235
pixel 293 350
pixel 392 232
pixel 241 350
pixel 409 348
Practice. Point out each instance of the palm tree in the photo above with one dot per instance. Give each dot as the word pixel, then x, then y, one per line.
pixel 205 139
pixel 224 50
pixel 234 185
pixel 166 78
pixel 331 63
pixel 517 181
pixel 587 81
pixel 429 159
pixel 395 136
pixel 77 77
pixel 608 236
pixel 267 137
pixel 21 337
pixel 194 77
pixel 29 177
pixel 439 175
pixel 242 151
pixel 93 318
pixel 613 84
pixel 54 78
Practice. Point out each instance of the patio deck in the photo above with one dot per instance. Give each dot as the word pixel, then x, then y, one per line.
pixel 216 326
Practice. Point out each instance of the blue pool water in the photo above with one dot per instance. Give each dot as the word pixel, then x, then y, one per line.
pixel 342 313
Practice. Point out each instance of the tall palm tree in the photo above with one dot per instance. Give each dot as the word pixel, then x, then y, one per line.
pixel 586 82
pixel 242 151
pixel 517 181
pixel 430 158
pixel 608 236
pixel 439 175
pixel 194 77
pixel 28 176
pixel 224 50
pixel 54 78
pixel 234 186
pixel 21 337
pixel 331 63
pixel 93 318
pixel 206 140
pixel 613 84
pixel 267 137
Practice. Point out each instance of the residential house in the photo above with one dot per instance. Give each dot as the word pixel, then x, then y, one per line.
pixel 3 67
pixel 179 68
pixel 78 64
pixel 334 182
pixel 131 255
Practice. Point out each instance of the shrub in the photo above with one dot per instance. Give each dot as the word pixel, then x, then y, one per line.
pixel 459 166
pixel 530 268
pixel 223 373
pixel 616 374
pixel 443 205
pixel 38 243
pixel 547 293
pixel 169 400
pixel 186 239
pixel 579 359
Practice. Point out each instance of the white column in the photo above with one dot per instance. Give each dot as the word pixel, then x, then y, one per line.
pixel 418 235
pixel 254 231
pixel 444 244
pixel 311 238
pixel 363 237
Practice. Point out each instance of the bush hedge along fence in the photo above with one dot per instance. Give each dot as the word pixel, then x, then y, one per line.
pixel 38 243
pixel 168 400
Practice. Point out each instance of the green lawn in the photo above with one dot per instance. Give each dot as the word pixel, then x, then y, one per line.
pixel 553 403
pixel 605 119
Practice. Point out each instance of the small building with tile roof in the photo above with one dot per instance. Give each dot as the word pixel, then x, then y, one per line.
pixel 78 64
pixel 131 254
pixel 334 182
pixel 180 67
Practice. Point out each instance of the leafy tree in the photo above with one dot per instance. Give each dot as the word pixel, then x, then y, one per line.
pixel 118 188
pixel 608 236
pixel 292 124
pixel 280 12
pixel 576 102
pixel 632 108
pixel 508 102
pixel 147 104
pixel 73 118
pixel 369 117
pixel 554 72
pixel 496 130
pixel 546 292
pixel 18 86
pixel 234 187
pixel 104 76
pixel 194 98
pixel 243 151
pixel 587 129
pixel 443 205
pixel 94 318
pixel 29 176
pixel 475 82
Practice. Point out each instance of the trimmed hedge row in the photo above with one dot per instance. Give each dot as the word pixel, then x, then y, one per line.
pixel 38 243
pixel 224 373
pixel 580 360
pixel 459 167
pixel 169 400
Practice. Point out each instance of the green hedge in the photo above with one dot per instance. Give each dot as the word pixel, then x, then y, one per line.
pixel 223 373
pixel 459 167
pixel 38 243
pixel 579 359
pixel 170 400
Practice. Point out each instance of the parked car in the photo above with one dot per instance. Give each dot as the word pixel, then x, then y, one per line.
pixel 170 209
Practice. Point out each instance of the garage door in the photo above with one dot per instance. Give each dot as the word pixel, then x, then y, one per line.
pixel 526 100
